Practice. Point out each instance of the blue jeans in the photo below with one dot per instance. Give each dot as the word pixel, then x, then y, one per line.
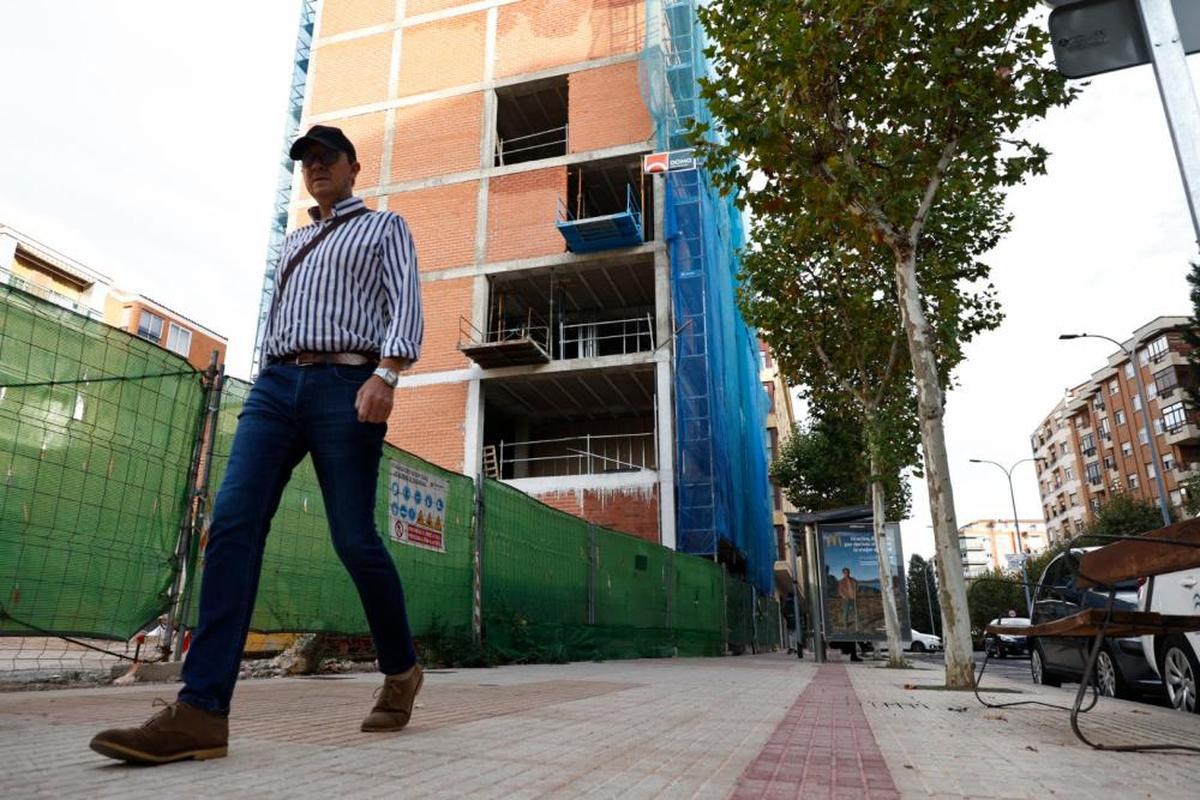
pixel 291 411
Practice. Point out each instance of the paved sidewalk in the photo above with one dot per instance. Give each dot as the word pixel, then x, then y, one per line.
pixel 752 726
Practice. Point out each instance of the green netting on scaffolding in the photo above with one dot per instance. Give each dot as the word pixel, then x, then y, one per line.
pixel 304 586
pixel 95 453
pixel 720 406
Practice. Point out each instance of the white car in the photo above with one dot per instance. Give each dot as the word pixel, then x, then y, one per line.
pixel 924 642
pixel 1175 658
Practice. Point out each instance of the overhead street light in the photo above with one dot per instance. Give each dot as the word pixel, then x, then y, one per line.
pixel 1163 508
pixel 1016 524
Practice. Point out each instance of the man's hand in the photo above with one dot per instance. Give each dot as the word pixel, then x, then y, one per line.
pixel 374 400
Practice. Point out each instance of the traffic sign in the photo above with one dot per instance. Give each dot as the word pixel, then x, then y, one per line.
pixel 1091 37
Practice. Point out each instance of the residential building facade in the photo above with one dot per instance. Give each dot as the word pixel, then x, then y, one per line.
pixel 577 345
pixel 1107 443
pixel 42 271
pixel 986 543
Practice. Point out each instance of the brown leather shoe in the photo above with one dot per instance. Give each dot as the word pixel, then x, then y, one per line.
pixel 396 697
pixel 178 732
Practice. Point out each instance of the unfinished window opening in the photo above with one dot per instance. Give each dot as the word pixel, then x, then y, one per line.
pixel 531 121
pixel 606 206
pixel 588 423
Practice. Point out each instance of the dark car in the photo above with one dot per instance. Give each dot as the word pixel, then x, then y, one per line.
pixel 1121 667
pixel 1006 644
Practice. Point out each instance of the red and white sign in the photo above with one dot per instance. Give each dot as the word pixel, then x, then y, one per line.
pixel 656 163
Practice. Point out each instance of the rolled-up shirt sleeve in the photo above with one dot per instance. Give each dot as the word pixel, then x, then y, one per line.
pixel 402 293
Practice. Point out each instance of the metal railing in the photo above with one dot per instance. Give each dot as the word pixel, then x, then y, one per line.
pixel 578 455
pixel 605 337
pixel 45 293
pixel 534 328
pixel 553 140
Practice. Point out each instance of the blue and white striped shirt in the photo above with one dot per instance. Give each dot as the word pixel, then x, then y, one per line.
pixel 357 291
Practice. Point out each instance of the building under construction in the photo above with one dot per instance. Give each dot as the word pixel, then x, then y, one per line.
pixel 582 339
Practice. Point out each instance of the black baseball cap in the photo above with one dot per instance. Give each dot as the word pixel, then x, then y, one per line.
pixel 331 137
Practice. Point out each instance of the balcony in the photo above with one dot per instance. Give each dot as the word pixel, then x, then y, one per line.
pixel 49 295
pixel 1184 434
pixel 578 455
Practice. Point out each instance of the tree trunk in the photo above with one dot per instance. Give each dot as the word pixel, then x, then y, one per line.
pixel 952 593
pixel 887 590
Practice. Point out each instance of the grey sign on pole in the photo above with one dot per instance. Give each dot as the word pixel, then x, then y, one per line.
pixel 1091 37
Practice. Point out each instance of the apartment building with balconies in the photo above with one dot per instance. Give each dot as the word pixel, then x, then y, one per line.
pixel 1101 425
pixel 986 544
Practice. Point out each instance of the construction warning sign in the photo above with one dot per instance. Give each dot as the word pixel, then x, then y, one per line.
pixel 417 507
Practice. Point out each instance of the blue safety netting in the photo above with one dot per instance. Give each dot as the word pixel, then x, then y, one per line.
pixel 723 493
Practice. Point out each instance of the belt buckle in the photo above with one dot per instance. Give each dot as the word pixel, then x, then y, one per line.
pixel 305 360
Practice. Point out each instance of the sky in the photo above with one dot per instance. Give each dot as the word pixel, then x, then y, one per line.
pixel 143 138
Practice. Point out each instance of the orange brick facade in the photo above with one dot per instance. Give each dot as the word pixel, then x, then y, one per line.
pixel 424 136
pixel 628 512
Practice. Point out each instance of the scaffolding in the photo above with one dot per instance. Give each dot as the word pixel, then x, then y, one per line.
pixel 283 187
pixel 720 406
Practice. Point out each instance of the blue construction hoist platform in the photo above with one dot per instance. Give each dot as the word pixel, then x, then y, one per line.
pixel 605 232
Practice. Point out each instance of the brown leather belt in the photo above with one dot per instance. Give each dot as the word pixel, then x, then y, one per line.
pixel 309 359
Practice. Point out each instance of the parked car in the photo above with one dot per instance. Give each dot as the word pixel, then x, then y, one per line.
pixel 924 642
pixel 1121 667
pixel 1176 658
pixel 1002 645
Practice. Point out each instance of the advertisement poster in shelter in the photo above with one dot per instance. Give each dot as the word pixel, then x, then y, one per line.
pixel 417 507
pixel 853 602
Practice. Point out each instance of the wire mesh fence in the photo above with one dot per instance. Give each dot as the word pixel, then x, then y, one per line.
pixel 103 445
pixel 96 435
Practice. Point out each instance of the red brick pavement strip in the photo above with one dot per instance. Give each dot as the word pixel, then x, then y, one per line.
pixel 823 748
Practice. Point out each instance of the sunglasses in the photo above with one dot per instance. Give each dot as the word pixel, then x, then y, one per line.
pixel 322 155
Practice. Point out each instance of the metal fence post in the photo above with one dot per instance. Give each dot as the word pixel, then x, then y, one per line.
pixel 593 556
pixel 477 558
pixel 191 522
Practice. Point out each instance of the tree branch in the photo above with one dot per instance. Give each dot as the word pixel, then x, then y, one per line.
pixel 935 182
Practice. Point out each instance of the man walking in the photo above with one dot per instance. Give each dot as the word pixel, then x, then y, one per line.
pixel 345 320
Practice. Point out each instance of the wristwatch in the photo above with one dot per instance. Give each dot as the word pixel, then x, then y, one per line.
pixel 388 376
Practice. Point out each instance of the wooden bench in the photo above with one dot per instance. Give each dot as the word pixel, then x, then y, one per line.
pixel 1175 547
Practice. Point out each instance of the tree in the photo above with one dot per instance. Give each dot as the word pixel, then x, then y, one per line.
pixel 1122 515
pixel 822 466
pixel 1191 335
pixel 831 320
pixel 992 596
pixel 922 594
pixel 891 124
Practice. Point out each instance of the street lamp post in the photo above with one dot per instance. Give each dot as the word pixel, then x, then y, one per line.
pixel 1150 435
pixel 1016 524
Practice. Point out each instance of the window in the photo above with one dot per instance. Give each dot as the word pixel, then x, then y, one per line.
pixel 179 340
pixel 1074 497
pixel 1120 415
pixel 1065 449
pixel 1114 387
pixel 1168 462
pixel 1158 349
pixel 1176 498
pixel 1132 479
pixel 1166 381
pixel 1088 444
pixel 1174 417
pixel 770 389
pixel 1151 391
pixel 1137 402
pixel 1109 464
pixel 531 121
pixel 1151 472
pixel 1098 402
pixel 1126 449
pixel 1104 429
pixel 1093 473
pixel 1069 474
pixel 1158 428
pixel 150 326
pixel 1129 370
pixel 1142 437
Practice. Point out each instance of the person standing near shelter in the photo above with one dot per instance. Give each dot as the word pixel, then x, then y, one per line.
pixel 847 589
pixel 345 320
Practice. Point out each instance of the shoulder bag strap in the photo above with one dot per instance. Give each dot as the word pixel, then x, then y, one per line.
pixel 299 255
